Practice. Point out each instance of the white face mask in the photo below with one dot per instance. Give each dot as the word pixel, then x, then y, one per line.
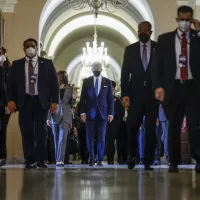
pixel 30 52
pixel 2 58
pixel 184 26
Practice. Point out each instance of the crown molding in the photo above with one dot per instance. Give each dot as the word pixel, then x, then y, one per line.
pixel 8 5
pixel 191 3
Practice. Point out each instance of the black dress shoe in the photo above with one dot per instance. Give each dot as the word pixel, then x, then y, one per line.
pixel 156 163
pixel 131 162
pixel 173 168
pixel 2 162
pixel 99 164
pixel 31 166
pixel 91 163
pixel 148 168
pixel 41 164
pixel 141 162
pixel 197 167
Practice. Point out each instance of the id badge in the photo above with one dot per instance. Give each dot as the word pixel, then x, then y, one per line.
pixel 33 78
pixel 182 61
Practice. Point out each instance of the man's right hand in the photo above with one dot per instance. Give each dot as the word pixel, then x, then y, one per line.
pixel 126 101
pixel 11 106
pixel 48 123
pixel 160 94
pixel 83 117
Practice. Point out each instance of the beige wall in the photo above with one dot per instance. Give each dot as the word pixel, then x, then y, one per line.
pixel 23 23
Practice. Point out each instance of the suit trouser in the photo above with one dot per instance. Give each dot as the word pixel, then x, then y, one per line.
pixel 141 143
pixel 60 132
pixel 32 122
pixel 3 132
pixel 183 102
pixel 112 129
pixel 98 124
pixel 148 106
pixel 83 145
pixel 122 140
pixel 50 146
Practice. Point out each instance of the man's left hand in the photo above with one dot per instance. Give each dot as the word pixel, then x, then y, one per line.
pixel 110 118
pixel 53 107
pixel 196 24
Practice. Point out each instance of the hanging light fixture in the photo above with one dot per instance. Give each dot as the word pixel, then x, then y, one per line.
pixel 109 5
pixel 94 53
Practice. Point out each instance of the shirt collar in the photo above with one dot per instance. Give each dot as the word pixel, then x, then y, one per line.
pixel 34 59
pixel 99 77
pixel 148 44
pixel 180 33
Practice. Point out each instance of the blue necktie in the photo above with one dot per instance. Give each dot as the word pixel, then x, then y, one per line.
pixel 144 57
pixel 96 87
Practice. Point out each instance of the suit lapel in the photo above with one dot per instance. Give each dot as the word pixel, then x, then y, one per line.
pixel 102 84
pixel 139 55
pixel 41 71
pixel 22 71
pixel 172 50
pixel 151 53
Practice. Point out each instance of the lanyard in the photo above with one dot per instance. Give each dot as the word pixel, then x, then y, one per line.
pixel 32 64
pixel 180 39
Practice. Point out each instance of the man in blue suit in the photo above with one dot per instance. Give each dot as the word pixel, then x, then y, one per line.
pixel 97 105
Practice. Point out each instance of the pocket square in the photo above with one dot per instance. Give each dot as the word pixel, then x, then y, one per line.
pixel 105 86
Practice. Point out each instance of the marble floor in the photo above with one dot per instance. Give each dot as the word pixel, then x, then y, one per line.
pixel 79 182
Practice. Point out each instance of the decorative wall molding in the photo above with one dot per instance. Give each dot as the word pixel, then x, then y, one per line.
pixel 191 3
pixel 7 5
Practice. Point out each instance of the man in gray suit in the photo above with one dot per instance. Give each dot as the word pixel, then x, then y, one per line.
pixel 62 118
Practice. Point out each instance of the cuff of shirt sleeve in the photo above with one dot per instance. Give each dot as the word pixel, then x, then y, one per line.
pixel 83 113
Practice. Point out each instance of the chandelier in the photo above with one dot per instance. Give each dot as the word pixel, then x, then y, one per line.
pixel 94 53
pixel 109 5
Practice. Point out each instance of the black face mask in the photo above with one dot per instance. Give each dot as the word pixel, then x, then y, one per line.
pixel 96 73
pixel 64 80
pixel 144 38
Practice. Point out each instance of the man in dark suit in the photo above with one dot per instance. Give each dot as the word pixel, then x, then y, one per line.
pixel 97 105
pixel 137 92
pixel 32 90
pixel 177 83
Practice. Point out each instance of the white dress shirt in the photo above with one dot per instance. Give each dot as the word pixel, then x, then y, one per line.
pixel 35 66
pixel 178 53
pixel 148 48
pixel 99 82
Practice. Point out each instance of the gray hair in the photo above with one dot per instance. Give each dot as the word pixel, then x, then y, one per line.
pixel 96 66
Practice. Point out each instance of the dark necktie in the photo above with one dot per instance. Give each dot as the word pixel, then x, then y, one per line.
pixel 31 84
pixel 144 57
pixel 96 87
pixel 184 52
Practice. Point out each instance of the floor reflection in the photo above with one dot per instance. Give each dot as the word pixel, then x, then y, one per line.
pixel 99 184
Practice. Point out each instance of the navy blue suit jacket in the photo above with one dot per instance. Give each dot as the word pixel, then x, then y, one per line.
pixel 48 87
pixel 89 102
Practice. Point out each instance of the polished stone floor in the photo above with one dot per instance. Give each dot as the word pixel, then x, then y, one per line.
pixel 79 182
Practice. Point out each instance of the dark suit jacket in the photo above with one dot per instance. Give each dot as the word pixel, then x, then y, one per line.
pixel 48 88
pixel 89 102
pixel 164 70
pixel 133 76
